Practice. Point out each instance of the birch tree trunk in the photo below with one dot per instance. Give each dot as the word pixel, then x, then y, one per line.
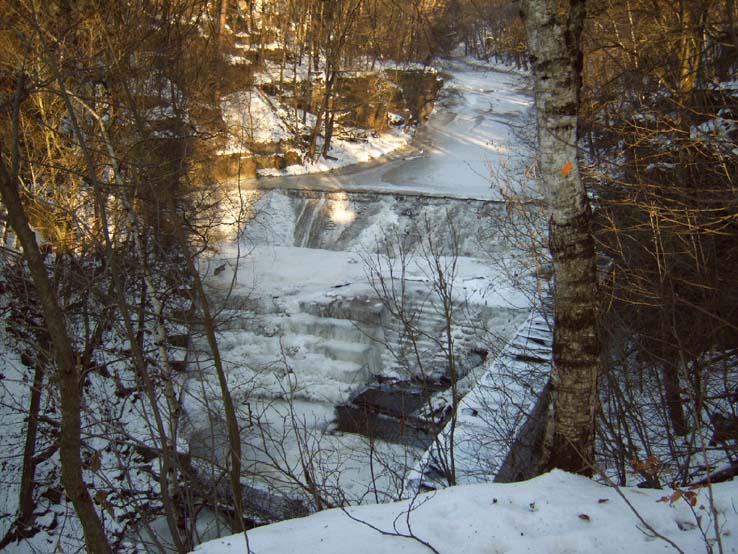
pixel 554 34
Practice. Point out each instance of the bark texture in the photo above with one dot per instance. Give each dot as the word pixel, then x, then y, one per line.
pixel 554 35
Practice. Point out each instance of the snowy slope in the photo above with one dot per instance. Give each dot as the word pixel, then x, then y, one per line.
pixel 554 513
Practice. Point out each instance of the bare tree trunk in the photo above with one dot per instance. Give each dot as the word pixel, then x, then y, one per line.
pixel 25 516
pixel 70 440
pixel 672 394
pixel 222 20
pixel 328 113
pixel 554 33
pixel 730 12
pixel 208 323
pixel 25 498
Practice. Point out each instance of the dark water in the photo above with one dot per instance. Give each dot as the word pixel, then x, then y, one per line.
pixel 389 412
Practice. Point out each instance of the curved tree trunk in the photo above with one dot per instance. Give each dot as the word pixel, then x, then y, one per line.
pixel 68 372
pixel 554 34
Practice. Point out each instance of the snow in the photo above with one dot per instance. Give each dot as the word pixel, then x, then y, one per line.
pixel 249 117
pixel 237 60
pixel 14 401
pixel 344 153
pixel 498 399
pixel 554 513
pixel 716 132
pixel 289 277
pixel 475 140
pixel 731 86
pixel 293 275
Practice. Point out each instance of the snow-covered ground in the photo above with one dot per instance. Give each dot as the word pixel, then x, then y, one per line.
pixel 14 400
pixel 345 153
pixel 556 513
pixel 251 117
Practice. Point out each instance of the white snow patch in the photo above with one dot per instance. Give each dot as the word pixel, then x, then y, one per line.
pixel 556 513
pixel 343 153
pixel 250 118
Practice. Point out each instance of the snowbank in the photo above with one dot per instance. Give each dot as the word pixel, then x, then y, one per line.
pixel 555 513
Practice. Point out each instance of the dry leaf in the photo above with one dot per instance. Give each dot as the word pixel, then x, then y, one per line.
pixel 96 461
pixel 585 517
pixel 101 498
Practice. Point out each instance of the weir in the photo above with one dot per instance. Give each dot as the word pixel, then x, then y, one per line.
pixel 316 355
pixel 364 221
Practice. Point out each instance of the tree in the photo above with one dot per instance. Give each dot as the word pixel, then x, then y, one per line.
pixel 333 39
pixel 104 193
pixel 658 120
pixel 67 369
pixel 554 36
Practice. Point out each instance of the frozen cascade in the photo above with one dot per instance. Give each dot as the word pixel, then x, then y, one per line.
pixel 362 221
pixel 303 332
pixel 305 222
pixel 307 343
pixel 325 353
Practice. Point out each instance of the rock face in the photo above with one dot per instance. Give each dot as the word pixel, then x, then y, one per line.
pixel 233 166
pixel 364 101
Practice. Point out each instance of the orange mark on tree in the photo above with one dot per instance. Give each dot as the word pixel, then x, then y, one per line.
pixel 567 168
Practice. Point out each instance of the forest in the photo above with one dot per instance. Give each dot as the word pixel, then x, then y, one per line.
pixel 266 258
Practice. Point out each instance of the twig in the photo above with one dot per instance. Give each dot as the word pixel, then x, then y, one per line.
pixel 394 533
pixel 632 508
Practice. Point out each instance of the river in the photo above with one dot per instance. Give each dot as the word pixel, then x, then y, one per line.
pixel 304 331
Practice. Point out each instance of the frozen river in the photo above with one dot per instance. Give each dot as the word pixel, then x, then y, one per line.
pixel 479 133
